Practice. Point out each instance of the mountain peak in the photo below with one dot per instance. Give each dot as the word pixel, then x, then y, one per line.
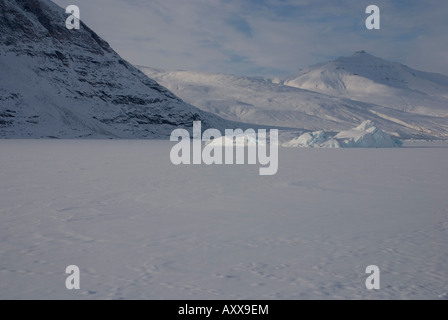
pixel 26 22
pixel 363 57
pixel 370 79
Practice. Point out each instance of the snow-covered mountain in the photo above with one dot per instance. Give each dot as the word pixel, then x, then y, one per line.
pixel 282 103
pixel 62 83
pixel 366 78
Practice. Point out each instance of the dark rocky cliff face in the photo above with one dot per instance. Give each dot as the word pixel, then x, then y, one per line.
pixel 70 83
pixel 31 21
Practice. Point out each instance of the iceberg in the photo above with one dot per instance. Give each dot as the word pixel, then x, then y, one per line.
pixel 318 139
pixel 366 135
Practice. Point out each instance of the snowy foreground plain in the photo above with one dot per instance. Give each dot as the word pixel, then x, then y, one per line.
pixel 140 228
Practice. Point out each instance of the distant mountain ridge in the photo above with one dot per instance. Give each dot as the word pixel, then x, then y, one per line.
pixel 370 79
pixel 334 96
pixel 64 83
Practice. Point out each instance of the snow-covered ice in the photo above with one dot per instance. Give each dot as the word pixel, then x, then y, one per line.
pixel 317 139
pixel 366 135
pixel 237 141
pixel 140 227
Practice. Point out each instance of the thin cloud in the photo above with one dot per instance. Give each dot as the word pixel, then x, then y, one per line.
pixel 267 37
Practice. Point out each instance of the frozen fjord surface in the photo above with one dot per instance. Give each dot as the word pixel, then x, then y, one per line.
pixel 139 227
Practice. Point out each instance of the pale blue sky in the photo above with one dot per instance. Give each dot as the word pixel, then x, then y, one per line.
pixel 267 37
